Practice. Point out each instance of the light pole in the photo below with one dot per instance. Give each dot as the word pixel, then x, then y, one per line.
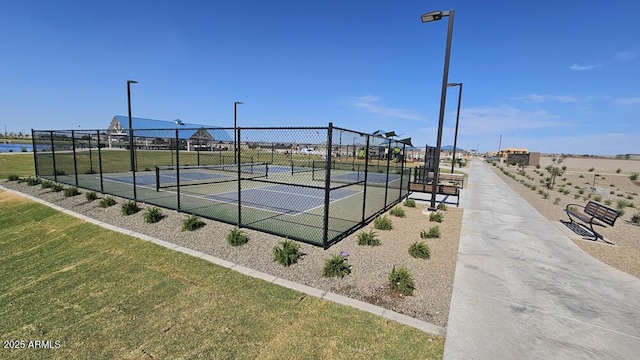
pixel 235 131
pixel 131 154
pixel 500 147
pixel 429 17
pixel 455 138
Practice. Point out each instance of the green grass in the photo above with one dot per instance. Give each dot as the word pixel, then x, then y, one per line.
pixel 107 295
pixel 16 164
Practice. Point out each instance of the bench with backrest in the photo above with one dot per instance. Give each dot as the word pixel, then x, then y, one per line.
pixel 454 178
pixel 441 189
pixel 593 214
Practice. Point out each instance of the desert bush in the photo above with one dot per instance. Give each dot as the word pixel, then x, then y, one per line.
pixel 72 191
pixel 597 197
pixel 106 202
pixel 419 250
pixel 436 216
pixel 545 195
pixel 90 196
pixel 621 204
pixel 129 208
pixel 237 237
pixel 397 211
pixel 152 215
pixel 635 219
pixel 556 201
pixel 434 232
pixel 56 187
pixel 46 184
pixel 368 238
pixel 287 253
pixel 401 281
pixel 581 176
pixel 31 181
pixel 13 177
pixel 336 266
pixel 608 202
pixel 576 196
pixel 591 170
pixel 618 171
pixel 442 206
pixel 410 203
pixel 634 176
pixel 383 223
pixel 192 223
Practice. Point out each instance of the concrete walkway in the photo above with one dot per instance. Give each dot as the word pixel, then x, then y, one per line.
pixel 524 290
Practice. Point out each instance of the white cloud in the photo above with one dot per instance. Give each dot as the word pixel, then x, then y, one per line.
pixel 536 98
pixel 626 55
pixel 628 101
pixel 577 67
pixel 370 103
pixel 488 119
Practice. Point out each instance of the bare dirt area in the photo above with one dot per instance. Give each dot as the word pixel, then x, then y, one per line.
pixel 605 180
pixel 370 265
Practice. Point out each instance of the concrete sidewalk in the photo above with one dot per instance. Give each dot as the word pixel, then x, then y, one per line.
pixel 524 290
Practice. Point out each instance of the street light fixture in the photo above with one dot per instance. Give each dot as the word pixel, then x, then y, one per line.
pixel 235 131
pixel 429 17
pixel 455 138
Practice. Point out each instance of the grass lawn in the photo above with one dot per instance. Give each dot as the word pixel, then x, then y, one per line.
pixel 107 295
pixel 20 164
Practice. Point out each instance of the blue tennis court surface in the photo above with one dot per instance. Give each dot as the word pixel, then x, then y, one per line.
pixel 298 199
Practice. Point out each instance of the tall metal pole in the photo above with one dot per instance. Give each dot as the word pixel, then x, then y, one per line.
pixel 131 154
pixel 132 158
pixel 500 146
pixel 443 100
pixel 455 138
pixel 235 131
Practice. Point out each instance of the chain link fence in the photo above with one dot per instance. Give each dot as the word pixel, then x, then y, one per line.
pixel 312 184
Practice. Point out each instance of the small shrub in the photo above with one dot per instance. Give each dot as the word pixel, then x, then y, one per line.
pixel 597 198
pixel 634 176
pixel 581 191
pixel 286 253
pixel 419 250
pixel 436 216
pixel 434 232
pixel 31 181
pixel 621 204
pixel 129 208
pixel 630 197
pixel 618 171
pixel 13 177
pixel 591 170
pixel 90 196
pixel 46 184
pixel 192 223
pixel 336 266
pixel 573 208
pixel 538 166
pixel 556 201
pixel 152 215
pixel 72 191
pixel 635 219
pixel 401 281
pixel 576 196
pixel 237 237
pixel 540 191
pixel 581 176
pixel 442 206
pixel 368 238
pixel 23 149
pixel 545 195
pixel 397 211
pixel 410 203
pixel 608 202
pixel 57 187
pixel 383 223
pixel 106 202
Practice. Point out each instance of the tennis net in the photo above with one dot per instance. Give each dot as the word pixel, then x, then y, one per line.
pixel 172 176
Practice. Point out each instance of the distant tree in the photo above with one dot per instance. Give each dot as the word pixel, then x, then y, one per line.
pixel 554 170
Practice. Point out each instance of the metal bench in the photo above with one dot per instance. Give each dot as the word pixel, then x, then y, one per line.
pixel 592 214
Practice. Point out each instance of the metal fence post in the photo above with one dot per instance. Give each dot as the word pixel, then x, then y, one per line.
pixel 100 162
pixel 53 157
pixel 366 172
pixel 35 157
pixel 75 161
pixel 327 188
pixel 239 179
pixel 177 170
pixel 134 165
pixel 404 147
pixel 386 186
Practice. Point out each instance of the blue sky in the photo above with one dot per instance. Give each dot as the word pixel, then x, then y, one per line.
pixel 551 76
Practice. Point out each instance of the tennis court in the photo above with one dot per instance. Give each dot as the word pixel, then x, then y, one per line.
pixel 269 198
